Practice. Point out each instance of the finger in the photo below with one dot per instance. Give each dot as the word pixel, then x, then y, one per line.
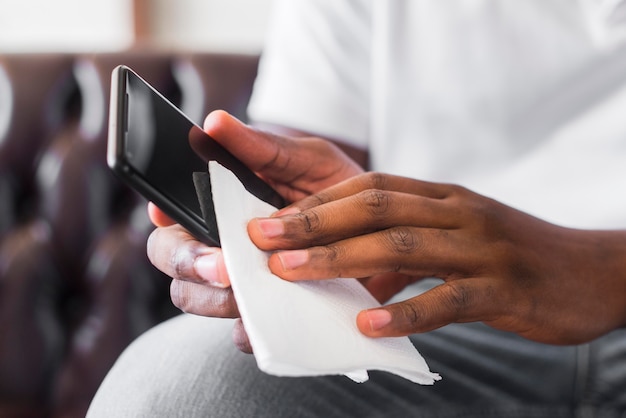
pixel 203 299
pixel 179 255
pixel 240 337
pixel 417 252
pixel 297 162
pixel 241 140
pixel 457 301
pixel 364 212
pixel 256 149
pixel 377 181
pixel 158 217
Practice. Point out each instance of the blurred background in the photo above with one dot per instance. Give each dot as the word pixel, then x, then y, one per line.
pixel 75 284
pixel 105 25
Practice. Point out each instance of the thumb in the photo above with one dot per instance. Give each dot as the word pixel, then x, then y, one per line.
pixel 256 149
pixel 464 300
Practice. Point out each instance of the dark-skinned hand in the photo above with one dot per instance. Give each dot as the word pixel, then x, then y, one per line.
pixel 500 266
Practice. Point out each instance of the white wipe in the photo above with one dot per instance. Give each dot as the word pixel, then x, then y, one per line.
pixel 305 328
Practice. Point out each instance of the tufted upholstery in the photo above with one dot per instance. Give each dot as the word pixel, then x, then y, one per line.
pixel 75 284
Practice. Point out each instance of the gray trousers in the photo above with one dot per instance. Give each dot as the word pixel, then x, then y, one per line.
pixel 188 367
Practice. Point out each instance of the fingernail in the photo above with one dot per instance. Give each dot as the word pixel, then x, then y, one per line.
pixel 207 268
pixel 271 228
pixel 293 259
pixel 378 318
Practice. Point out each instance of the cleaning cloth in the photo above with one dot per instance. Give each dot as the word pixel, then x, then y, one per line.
pixel 300 328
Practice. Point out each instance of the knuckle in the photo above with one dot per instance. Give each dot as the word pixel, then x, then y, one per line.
pixel 315 200
pixel 375 180
pixel 276 160
pixel 173 252
pixel 459 297
pixel 334 259
pixel 309 220
pixel 332 253
pixel 456 190
pixel 479 209
pixel 321 198
pixel 402 240
pixel 411 314
pixel 375 201
pixel 181 262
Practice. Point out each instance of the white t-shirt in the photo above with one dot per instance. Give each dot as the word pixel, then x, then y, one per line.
pixel 523 101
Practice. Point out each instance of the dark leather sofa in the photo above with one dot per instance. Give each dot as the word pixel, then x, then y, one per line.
pixel 75 284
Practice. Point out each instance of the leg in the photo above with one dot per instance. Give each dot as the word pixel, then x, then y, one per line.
pixel 188 367
pixel 602 387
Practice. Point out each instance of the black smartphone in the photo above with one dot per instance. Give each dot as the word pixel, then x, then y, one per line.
pixel 156 150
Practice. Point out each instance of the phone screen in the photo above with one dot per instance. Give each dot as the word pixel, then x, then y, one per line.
pixel 157 145
pixel 156 149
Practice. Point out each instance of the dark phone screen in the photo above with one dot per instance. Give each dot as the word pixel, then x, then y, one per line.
pixel 157 145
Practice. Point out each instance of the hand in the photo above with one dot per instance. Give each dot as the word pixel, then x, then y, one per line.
pixel 500 266
pixel 296 168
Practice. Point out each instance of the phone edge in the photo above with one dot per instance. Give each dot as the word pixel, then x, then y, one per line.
pixel 116 164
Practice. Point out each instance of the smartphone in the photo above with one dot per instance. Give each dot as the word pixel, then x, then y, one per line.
pixel 156 149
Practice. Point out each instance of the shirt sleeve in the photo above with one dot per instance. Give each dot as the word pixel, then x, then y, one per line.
pixel 314 71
